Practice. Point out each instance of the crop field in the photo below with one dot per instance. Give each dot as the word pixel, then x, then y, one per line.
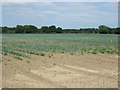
pixel 59 43
pixel 58 53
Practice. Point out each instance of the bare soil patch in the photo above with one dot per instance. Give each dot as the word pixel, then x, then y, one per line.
pixel 61 71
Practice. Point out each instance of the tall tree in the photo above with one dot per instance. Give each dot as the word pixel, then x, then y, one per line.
pixel 103 29
pixel 52 29
pixel 5 29
pixel 59 30
pixel 44 29
pixel 20 29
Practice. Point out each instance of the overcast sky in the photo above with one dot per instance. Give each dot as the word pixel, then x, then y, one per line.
pixel 63 14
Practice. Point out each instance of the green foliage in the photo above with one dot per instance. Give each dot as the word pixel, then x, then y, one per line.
pixel 20 29
pixel 5 53
pixel 102 29
pixel 18 58
pixel 13 52
pixel 30 29
pixel 38 44
pixel 42 54
pixel 62 52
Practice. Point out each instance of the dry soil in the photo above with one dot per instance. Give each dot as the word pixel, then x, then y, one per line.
pixel 61 71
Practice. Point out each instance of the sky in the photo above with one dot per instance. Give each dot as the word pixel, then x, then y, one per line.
pixel 60 14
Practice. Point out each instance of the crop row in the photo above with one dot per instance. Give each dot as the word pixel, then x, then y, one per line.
pixel 59 43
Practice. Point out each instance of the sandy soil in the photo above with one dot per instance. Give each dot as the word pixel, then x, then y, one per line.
pixel 0 75
pixel 61 71
pixel 0 72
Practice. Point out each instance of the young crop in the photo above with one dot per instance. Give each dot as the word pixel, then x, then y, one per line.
pixel 59 43
pixel 18 58
pixel 28 61
pixel 42 54
pixel 5 53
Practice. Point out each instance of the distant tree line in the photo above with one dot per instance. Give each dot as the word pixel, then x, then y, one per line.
pixel 102 29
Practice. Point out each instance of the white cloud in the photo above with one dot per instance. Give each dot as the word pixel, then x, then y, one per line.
pixel 44 5
pixel 82 14
pixel 20 0
pixel 60 0
pixel 50 12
